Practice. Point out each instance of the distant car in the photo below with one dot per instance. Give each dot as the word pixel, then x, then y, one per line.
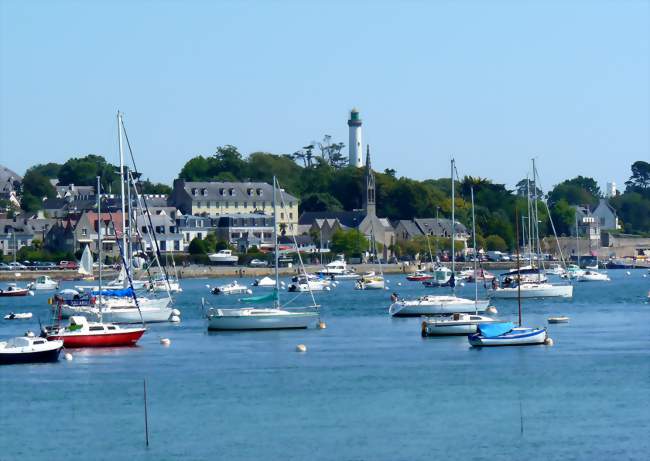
pixel 43 266
pixel 4 267
pixel 258 263
pixel 68 265
pixel 16 266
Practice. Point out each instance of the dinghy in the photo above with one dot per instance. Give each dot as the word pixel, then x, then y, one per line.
pixel 506 334
pixel 13 290
pixel 264 282
pixel 18 316
pixel 455 324
pixel 230 289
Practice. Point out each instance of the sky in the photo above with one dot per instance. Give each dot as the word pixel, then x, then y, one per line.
pixel 492 84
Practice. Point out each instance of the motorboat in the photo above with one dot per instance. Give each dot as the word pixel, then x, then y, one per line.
pixel 442 277
pixel 29 349
pixel 14 290
pixel 223 257
pixel 170 284
pixel 478 275
pixel 593 276
pixel 455 324
pixel 573 271
pixel 43 282
pixel 82 333
pixel 18 316
pixel 558 319
pixel 338 270
pixel 309 283
pixel 507 334
pixel 532 290
pixel 556 269
pixel 370 281
pixel 418 276
pixel 264 282
pixel 435 305
pixel 232 288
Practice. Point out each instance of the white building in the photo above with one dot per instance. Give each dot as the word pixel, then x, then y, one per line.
pixel 610 190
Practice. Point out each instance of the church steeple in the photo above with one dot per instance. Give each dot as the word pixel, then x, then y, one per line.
pixel 369 204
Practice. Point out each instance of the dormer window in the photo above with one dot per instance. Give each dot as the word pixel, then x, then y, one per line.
pixel 194 191
pixel 231 191
pixel 249 191
pixel 204 192
pixel 259 191
pixel 222 191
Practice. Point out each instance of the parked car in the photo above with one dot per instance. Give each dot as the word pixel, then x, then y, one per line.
pixel 16 266
pixel 4 267
pixel 68 265
pixel 44 266
pixel 258 263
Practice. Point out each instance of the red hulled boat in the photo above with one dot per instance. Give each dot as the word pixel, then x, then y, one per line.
pixel 13 290
pixel 81 333
pixel 419 276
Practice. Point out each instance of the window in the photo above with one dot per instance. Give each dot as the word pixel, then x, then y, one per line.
pixel 290 215
pixel 96 328
pixel 245 204
pixel 84 232
pixel 198 204
pixel 111 327
pixel 255 205
pixel 144 229
pixel 177 245
pixel 204 192
pixel 259 191
pixel 231 191
pixel 236 204
pixel 281 215
pixel 222 191
pixel 163 245
pixel 249 191
pixel 193 191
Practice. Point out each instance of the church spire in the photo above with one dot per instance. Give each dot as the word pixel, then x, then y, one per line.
pixel 369 204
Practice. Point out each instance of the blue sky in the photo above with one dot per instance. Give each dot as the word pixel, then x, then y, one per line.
pixel 492 83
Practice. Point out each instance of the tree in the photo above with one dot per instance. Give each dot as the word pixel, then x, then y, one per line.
pixel 197 247
pixel 496 243
pixel 84 171
pixel 563 216
pixel 147 187
pixel 640 178
pixel 197 169
pixel 49 170
pixel 331 152
pixel 350 242
pixel 35 188
pixel 577 191
pixel 526 186
pixel 320 202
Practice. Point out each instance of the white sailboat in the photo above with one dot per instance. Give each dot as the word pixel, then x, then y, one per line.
pixel 370 280
pixel 273 318
pixel 86 264
pixel 440 304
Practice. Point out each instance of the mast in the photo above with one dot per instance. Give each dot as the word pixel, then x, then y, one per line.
pixel 129 253
pixel 99 241
pixel 275 247
pixel 518 265
pixel 577 239
pixel 471 190
pixel 530 222
pixel 121 148
pixel 453 223
pixel 539 246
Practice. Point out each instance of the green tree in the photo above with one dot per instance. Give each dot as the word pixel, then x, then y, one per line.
pixel 640 178
pixel 350 242
pixel 320 202
pixel 197 247
pixel 496 243
pixel 84 171
pixel 147 187
pixel 563 216
pixel 577 191
pixel 35 188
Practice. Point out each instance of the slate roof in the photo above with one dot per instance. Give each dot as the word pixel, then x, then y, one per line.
pixel 438 227
pixel 346 218
pixel 228 191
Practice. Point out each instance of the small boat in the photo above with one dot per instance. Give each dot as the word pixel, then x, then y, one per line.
pixel 309 283
pixel 435 305
pixel 248 318
pixel 264 282
pixel 556 269
pixel 558 319
pixel 43 282
pixel 223 257
pixel 370 281
pixel 573 271
pixel 479 275
pixel 532 290
pixel 593 276
pixel 455 324
pixel 14 290
pixel 338 270
pixel 442 277
pixel 29 349
pixel 230 289
pixel 507 334
pixel 418 276
pixel 82 333
pixel 18 316
pixel 170 284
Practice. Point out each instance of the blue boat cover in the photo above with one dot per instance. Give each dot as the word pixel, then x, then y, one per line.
pixel 123 292
pixel 260 299
pixel 492 330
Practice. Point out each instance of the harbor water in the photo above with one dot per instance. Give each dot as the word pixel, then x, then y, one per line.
pixel 369 387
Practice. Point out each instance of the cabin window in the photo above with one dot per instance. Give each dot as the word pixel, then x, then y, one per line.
pixel 111 328
pixel 39 342
pixel 96 328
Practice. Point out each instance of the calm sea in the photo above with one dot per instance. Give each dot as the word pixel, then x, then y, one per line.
pixel 369 387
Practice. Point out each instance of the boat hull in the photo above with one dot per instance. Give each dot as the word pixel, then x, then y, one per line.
pixel 120 339
pixel 30 357
pixel 11 293
pixel 534 291
pixel 267 322
pixel 516 337
pixel 436 307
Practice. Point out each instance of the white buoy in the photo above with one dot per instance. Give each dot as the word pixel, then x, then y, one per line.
pixel 548 341
pixel 386 288
pixel 31 293
pixel 645 275
pixel 175 319
pixel 176 312
pixel 399 284
pixel 207 285
pixel 68 356
pixel 491 310
pixel 462 284
pixel 322 325
pixel 628 273
pixel 165 341
pixel 327 288
pixel 249 291
pixel 301 348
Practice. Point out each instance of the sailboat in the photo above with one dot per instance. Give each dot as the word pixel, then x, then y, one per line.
pixel 272 318
pixel 82 333
pixel 440 304
pixel 531 283
pixel 506 333
pixel 458 323
pixel 370 280
pixel 86 264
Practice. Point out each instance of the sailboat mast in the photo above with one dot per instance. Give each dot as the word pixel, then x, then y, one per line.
pixel 99 241
pixel 577 240
pixel 453 221
pixel 518 264
pixel 121 147
pixel 539 246
pixel 275 246
pixel 471 190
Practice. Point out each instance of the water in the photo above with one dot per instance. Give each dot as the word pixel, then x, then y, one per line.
pixel 369 387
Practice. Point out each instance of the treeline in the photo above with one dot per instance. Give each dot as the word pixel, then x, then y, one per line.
pixel 323 183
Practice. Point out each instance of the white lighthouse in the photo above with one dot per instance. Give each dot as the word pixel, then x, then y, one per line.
pixel 355 144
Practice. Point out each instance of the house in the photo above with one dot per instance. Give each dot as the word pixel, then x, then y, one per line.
pixel 249 229
pixel 191 227
pixel 10 183
pixel 588 225
pixel 406 229
pixel 71 192
pixel 441 227
pixel 229 198
pixel 14 236
pixel 606 216
pixel 167 236
pixel 109 225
